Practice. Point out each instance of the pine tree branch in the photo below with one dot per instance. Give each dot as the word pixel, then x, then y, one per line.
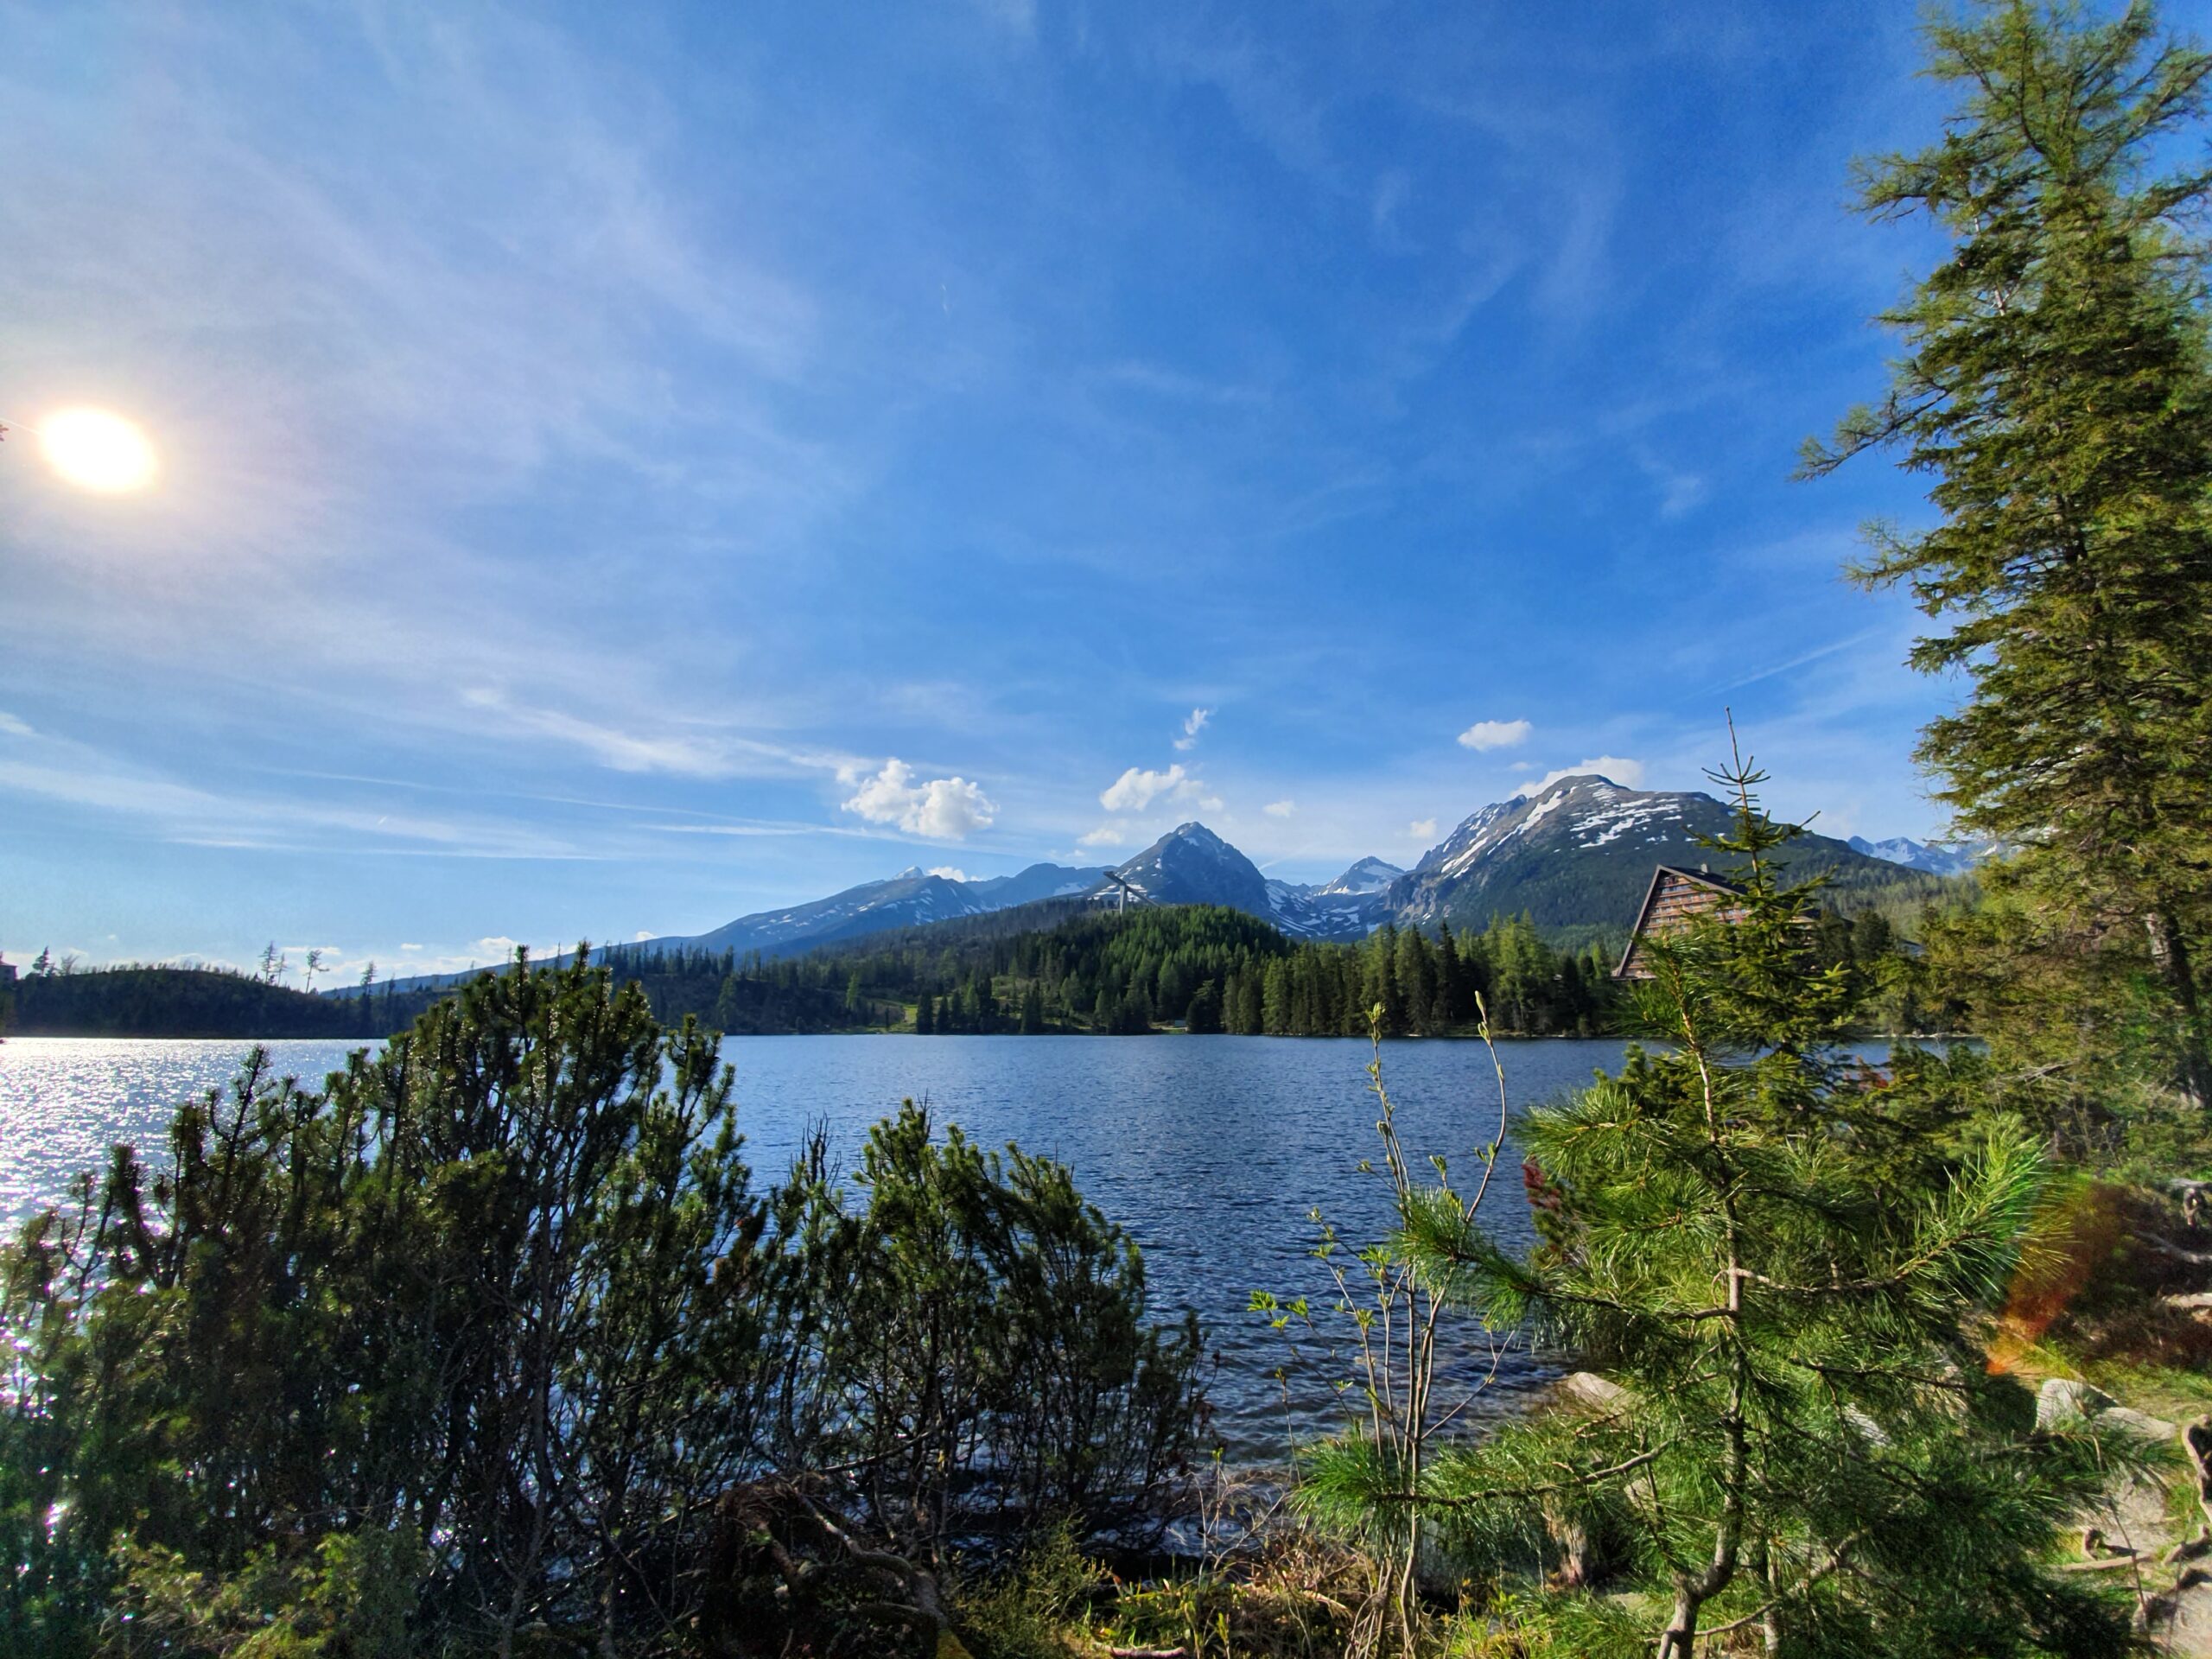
pixel 1505 1494
pixel 1834 1561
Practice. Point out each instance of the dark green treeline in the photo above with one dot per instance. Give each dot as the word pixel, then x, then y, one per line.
pixel 1216 969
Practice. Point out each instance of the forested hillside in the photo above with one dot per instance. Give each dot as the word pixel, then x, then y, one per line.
pixel 144 1000
pixel 1214 969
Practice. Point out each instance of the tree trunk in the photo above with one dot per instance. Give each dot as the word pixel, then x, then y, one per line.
pixel 2169 954
pixel 1679 1639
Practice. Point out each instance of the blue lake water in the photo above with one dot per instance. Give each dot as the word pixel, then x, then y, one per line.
pixel 1212 1152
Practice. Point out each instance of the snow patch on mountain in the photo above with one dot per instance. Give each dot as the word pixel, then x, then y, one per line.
pixel 1368 875
pixel 1937 858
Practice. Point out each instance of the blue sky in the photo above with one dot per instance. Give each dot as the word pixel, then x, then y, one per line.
pixel 623 467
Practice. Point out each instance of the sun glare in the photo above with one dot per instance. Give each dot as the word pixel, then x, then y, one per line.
pixel 95 450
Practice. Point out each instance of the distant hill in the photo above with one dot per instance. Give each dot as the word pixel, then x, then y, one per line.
pixel 913 898
pixel 157 1001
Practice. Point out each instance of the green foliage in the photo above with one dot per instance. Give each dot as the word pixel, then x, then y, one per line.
pixel 152 1001
pixel 987 1361
pixel 2053 387
pixel 750 996
pixel 484 1338
pixel 1779 1279
pixel 483 1285
pixel 1030 1609
pixel 352 1597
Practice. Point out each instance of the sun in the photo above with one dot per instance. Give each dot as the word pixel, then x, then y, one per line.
pixel 98 451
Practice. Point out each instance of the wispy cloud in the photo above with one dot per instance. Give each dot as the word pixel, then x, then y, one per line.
pixel 1679 491
pixel 1487 735
pixel 1805 658
pixel 1195 723
pixel 75 776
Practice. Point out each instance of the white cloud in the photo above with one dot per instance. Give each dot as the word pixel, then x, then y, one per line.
pixel 1107 835
pixel 1279 808
pixel 410 947
pixel 640 936
pixel 1138 787
pixel 947 809
pixel 1486 734
pixel 1423 829
pixel 948 872
pixel 1019 16
pixel 12 726
pixel 1626 772
pixel 1192 727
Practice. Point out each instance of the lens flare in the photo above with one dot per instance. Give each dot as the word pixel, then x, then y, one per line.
pixel 95 450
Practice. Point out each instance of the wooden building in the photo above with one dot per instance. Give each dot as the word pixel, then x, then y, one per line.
pixel 1675 898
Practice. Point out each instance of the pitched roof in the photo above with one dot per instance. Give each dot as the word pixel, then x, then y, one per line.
pixel 1711 889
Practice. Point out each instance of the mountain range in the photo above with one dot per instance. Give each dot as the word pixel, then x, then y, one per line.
pixel 910 899
pixel 1575 855
pixel 1937 858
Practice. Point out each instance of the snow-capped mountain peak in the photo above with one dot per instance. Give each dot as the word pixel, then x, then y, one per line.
pixel 1368 875
pixel 1580 849
pixel 1937 858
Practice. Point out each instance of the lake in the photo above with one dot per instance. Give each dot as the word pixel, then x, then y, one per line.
pixel 1212 1152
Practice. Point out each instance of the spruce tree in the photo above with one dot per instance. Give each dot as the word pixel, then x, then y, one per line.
pixel 1453 1001
pixel 2053 388
pixel 1203 1018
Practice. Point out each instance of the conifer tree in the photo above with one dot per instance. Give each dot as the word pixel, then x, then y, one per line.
pixel 1276 1006
pixel 2054 387
pixel 1801 1439
pixel 1203 1018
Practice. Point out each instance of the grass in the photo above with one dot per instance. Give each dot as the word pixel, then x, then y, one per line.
pixel 2165 1391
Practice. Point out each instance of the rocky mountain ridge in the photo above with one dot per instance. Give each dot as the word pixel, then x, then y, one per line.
pixel 1577 855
